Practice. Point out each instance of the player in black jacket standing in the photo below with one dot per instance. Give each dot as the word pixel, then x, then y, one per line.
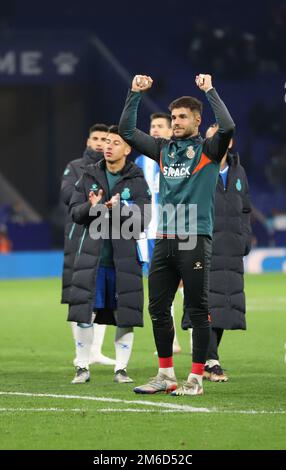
pixel 74 170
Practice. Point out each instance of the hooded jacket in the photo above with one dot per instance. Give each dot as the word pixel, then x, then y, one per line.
pixel 134 191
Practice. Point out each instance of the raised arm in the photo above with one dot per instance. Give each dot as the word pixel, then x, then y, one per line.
pixel 137 139
pixel 216 146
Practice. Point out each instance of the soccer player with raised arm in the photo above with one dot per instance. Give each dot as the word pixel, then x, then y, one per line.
pixel 189 169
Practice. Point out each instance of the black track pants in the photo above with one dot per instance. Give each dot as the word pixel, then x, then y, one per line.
pixel 169 265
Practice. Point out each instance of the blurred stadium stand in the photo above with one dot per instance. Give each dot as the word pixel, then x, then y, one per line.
pixel 62 68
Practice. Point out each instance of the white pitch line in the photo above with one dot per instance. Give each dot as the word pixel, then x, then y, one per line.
pixel 169 406
pixel 252 412
pixel 101 410
pixel 112 400
pixel 129 410
pixel 137 410
pixel 7 410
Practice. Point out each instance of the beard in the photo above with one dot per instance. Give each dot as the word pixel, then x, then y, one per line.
pixel 185 133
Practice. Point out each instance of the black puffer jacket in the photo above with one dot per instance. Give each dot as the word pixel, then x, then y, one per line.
pixel 129 287
pixel 73 231
pixel 231 242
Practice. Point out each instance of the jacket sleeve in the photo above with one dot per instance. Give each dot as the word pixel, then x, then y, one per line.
pixel 69 179
pixel 79 205
pixel 246 212
pixel 216 147
pixel 137 139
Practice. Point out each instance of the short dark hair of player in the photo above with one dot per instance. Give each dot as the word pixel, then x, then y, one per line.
pixel 113 129
pixel 215 124
pixel 98 127
pixel 187 102
pixel 162 116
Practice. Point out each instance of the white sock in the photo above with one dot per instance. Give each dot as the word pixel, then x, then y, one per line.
pixel 181 290
pixel 196 376
pixel 84 337
pixel 212 362
pixel 73 327
pixel 123 347
pixel 169 371
pixel 98 338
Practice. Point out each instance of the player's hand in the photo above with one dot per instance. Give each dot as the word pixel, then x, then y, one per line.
pixel 93 199
pixel 204 82
pixel 113 201
pixel 141 83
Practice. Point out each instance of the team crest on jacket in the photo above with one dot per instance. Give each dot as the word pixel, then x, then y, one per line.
pixel 190 152
pixel 238 184
pixel 125 193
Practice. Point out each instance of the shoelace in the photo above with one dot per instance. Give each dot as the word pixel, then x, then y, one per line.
pixel 157 381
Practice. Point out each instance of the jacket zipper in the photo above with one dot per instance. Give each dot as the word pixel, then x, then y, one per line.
pixel 71 231
pixel 81 241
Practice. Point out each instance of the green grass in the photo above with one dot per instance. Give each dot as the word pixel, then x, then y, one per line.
pixel 36 357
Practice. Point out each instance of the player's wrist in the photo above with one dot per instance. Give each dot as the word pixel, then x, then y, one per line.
pixel 135 91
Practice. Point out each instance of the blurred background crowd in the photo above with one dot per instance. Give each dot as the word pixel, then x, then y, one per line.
pixel 65 67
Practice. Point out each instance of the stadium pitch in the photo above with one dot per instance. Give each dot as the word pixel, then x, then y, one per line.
pixel 40 409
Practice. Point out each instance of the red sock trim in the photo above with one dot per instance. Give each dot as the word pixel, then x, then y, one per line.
pixel 165 362
pixel 198 368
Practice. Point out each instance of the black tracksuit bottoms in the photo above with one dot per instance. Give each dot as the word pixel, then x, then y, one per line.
pixel 173 260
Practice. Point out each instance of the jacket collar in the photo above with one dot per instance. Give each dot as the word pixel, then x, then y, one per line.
pixel 232 159
pixel 197 139
pixel 91 156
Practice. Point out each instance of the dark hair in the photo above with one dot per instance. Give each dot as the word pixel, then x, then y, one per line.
pixel 98 127
pixel 113 129
pixel 215 124
pixel 163 116
pixel 187 102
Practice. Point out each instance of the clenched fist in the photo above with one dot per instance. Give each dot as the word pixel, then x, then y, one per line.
pixel 204 82
pixel 141 83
